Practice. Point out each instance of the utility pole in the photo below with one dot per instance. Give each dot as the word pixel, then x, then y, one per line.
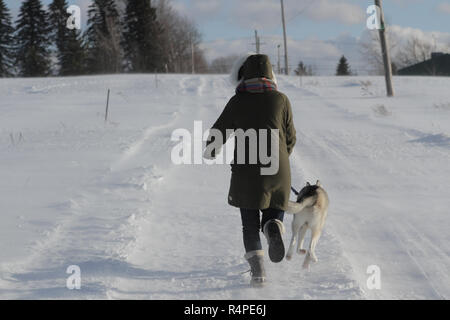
pixel 193 57
pixel 385 51
pixel 278 64
pixel 286 63
pixel 257 42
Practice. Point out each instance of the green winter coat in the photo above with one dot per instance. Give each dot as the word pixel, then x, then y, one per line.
pixel 268 110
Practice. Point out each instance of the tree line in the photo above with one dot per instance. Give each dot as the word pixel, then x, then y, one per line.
pixel 120 36
pixel 405 50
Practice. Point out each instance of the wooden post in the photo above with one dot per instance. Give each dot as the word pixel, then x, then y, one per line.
pixel 385 52
pixel 286 63
pixel 107 107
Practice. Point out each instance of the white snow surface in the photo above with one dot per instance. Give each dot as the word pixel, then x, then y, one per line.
pixel 107 197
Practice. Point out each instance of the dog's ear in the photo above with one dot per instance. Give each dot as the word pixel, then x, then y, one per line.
pixel 308 184
pixel 318 183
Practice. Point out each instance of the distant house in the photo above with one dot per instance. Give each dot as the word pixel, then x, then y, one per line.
pixel 438 65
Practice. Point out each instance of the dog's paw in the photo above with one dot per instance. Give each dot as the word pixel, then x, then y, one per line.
pixel 288 257
pixel 306 262
pixel 306 265
pixel 301 251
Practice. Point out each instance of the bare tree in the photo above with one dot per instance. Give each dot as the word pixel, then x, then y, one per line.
pixel 201 65
pixel 165 16
pixel 179 35
pixel 110 44
pixel 404 51
pixel 371 50
pixel 414 51
pixel 222 65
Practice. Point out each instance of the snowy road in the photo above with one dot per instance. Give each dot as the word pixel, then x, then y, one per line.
pixel 108 198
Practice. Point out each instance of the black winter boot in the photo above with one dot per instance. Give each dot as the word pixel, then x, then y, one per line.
pixel 256 261
pixel 274 230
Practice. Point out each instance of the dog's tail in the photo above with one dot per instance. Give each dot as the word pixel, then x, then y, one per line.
pixel 294 207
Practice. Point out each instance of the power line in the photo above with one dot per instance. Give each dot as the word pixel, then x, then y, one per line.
pixel 276 38
pixel 227 40
pixel 301 11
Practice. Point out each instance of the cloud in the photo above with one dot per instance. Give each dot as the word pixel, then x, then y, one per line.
pixel 404 3
pixel 308 48
pixel 223 47
pixel 261 14
pixel 199 9
pixel 399 36
pixel 444 7
pixel 322 54
pixel 267 13
pixel 436 38
pixel 257 14
pixel 337 11
pixel 204 8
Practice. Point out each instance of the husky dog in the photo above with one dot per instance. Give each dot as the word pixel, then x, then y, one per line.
pixel 310 212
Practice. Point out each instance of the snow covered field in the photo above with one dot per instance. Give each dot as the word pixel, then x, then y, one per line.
pixel 74 191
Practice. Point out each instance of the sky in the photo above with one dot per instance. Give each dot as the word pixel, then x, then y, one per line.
pixel 319 31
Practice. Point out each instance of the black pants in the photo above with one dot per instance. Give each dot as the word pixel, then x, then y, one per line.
pixel 252 224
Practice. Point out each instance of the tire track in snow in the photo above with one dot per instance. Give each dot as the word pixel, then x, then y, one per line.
pixel 96 243
pixel 349 115
pixel 324 159
pixel 167 223
pixel 196 245
pixel 333 246
pixel 419 257
pixel 423 253
pixel 135 147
